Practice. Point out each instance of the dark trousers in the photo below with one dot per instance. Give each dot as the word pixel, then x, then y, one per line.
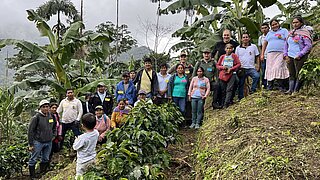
pixel 215 88
pixel 263 71
pixel 67 126
pixel 295 66
pixel 227 89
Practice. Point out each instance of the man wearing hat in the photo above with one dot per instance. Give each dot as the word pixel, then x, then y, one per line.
pixel 146 79
pixel 208 65
pixel 71 112
pixel 188 68
pixel 142 96
pixel 125 89
pixel 40 134
pixel 102 98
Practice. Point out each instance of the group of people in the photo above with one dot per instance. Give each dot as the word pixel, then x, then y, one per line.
pixel 221 72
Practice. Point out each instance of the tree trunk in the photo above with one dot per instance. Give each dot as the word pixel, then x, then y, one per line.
pixel 59 23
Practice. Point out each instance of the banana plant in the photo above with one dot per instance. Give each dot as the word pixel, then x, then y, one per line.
pixel 236 15
pixel 57 55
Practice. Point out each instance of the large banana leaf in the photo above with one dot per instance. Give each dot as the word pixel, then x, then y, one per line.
pixel 44 29
pixel 25 45
pixel 36 82
pixel 180 5
pixel 93 85
pixel 251 26
pixel 37 66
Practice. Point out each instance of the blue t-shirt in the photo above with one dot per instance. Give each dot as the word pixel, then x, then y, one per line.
pixel 276 40
pixel 201 84
pixel 293 48
pixel 179 89
pixel 228 61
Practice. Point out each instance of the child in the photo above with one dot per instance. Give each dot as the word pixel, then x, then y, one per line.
pixel 199 90
pixel 227 65
pixel 119 113
pixel 102 124
pixel 85 144
pixel 142 95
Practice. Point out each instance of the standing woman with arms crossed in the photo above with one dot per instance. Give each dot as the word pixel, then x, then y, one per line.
pixel 276 68
pixel 296 50
pixel 178 88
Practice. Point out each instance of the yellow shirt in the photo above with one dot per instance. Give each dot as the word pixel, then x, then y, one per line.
pixel 145 81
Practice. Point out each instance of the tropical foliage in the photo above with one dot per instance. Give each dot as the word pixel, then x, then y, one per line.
pixel 137 150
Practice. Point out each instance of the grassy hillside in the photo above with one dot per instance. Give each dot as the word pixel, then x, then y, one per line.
pixel 265 136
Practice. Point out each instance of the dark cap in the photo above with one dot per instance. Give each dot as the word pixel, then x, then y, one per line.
pixel 206 50
pixel 125 74
pixel 183 53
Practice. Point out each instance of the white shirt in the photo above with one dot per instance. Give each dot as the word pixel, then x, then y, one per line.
pixel 102 96
pixel 85 145
pixel 247 55
pixel 71 110
pixel 163 81
pixel 260 43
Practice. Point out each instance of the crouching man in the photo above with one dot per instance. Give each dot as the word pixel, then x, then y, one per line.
pixel 40 134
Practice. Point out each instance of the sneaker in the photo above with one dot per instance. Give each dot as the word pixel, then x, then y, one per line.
pixel 197 126
pixel 192 126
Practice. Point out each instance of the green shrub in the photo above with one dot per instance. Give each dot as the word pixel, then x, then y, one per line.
pixel 310 73
pixel 137 150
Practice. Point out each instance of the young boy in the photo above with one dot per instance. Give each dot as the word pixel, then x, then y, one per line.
pixel 227 65
pixel 85 144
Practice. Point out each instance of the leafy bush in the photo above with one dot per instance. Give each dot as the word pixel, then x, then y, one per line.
pixel 310 73
pixel 12 159
pixel 137 150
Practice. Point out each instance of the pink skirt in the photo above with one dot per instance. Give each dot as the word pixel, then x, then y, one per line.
pixel 276 67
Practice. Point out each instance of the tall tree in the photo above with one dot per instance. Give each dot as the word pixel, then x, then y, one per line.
pixel 58 7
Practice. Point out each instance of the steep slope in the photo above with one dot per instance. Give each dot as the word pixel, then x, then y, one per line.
pixel 266 136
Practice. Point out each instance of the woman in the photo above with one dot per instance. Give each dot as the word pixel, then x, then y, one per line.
pixel 178 88
pixel 296 50
pixel 102 124
pixel 58 136
pixel 276 68
pixel 118 117
pixel 199 90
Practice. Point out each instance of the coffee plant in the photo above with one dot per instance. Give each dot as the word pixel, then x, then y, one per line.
pixel 137 150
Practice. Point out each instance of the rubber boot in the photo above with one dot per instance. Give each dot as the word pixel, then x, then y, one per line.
pixel 282 86
pixel 44 167
pixel 291 87
pixel 296 86
pixel 32 172
pixel 270 85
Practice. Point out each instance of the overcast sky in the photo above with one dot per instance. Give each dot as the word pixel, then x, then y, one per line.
pixel 14 24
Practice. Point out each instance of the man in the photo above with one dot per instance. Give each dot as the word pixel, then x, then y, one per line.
pixel 219 50
pixel 86 106
pixel 188 68
pixel 220 46
pixel 102 98
pixel 163 79
pixel 248 53
pixel 142 96
pixel 71 110
pixel 146 79
pixel 132 74
pixel 42 129
pixel 264 30
pixel 126 89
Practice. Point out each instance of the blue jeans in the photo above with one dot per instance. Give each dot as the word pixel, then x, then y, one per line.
pixel 181 103
pixel 43 149
pixel 263 71
pixel 197 110
pixel 255 79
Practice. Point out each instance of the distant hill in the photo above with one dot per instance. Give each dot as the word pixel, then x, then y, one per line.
pixel 135 52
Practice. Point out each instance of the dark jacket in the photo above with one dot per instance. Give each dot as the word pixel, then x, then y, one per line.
pixel 41 128
pixel 171 85
pixel 130 94
pixel 154 82
pixel 107 103
pixel 84 108
pixel 221 46
pixel 210 70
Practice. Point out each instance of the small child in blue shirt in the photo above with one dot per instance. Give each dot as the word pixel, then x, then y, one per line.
pixel 85 144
